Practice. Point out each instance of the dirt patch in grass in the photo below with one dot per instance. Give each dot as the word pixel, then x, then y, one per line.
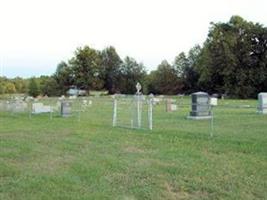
pixel 174 193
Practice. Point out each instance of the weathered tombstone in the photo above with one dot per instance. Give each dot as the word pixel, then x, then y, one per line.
pixel 156 101
pixel 170 105
pixel 38 108
pixel 213 101
pixel 73 97
pixel 173 107
pixel 65 109
pixel 200 106
pixel 262 101
pixel 19 106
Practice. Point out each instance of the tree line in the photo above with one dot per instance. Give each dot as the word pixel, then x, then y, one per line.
pixel 231 61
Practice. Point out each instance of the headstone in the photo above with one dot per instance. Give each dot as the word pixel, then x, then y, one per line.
pixel 213 101
pixel 73 97
pixel 38 108
pixel 173 107
pixel 19 106
pixel 15 106
pixel 61 98
pixel 29 99
pixel 170 105
pixel 65 108
pixel 200 106
pixel 262 102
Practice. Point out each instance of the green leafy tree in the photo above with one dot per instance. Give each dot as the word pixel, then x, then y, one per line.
pixel 111 62
pixel 181 63
pixel 20 85
pixel 187 69
pixel 33 88
pixel 50 87
pixel 64 77
pixel 233 59
pixel 10 88
pixel 87 69
pixel 164 80
pixel 130 73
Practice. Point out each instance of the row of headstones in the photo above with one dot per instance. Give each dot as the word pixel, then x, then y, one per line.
pixel 63 105
pixel 202 104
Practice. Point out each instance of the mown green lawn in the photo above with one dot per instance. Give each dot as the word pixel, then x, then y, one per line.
pixel 89 159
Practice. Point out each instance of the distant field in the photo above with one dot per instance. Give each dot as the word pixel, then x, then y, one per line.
pixel 64 158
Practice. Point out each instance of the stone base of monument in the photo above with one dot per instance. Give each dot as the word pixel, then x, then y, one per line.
pixel 264 112
pixel 199 117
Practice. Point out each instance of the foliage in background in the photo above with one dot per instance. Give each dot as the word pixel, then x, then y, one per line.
pixel 111 63
pixel 231 61
pixel 164 80
pixel 34 88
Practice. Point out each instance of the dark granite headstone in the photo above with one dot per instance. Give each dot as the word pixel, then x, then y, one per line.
pixel 65 108
pixel 200 106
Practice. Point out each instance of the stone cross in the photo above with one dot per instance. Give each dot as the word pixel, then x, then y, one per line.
pixel 138 88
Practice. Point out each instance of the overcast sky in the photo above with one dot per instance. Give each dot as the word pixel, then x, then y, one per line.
pixel 36 35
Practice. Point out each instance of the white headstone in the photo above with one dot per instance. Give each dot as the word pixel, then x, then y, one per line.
pixel 173 107
pixel 73 97
pixel 38 108
pixel 213 101
pixel 262 100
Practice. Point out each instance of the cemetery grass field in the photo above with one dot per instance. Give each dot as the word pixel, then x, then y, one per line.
pixel 64 158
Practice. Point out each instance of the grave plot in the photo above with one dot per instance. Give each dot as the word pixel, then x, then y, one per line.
pixel 14 106
pixel 233 116
pixel 133 111
pixel 44 106
pixel 57 107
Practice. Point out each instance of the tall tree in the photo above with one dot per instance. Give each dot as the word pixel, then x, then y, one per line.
pixel 234 58
pixel 187 69
pixel 64 77
pixel 50 87
pixel 111 62
pixel 20 85
pixel 164 80
pixel 130 73
pixel 33 88
pixel 87 68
